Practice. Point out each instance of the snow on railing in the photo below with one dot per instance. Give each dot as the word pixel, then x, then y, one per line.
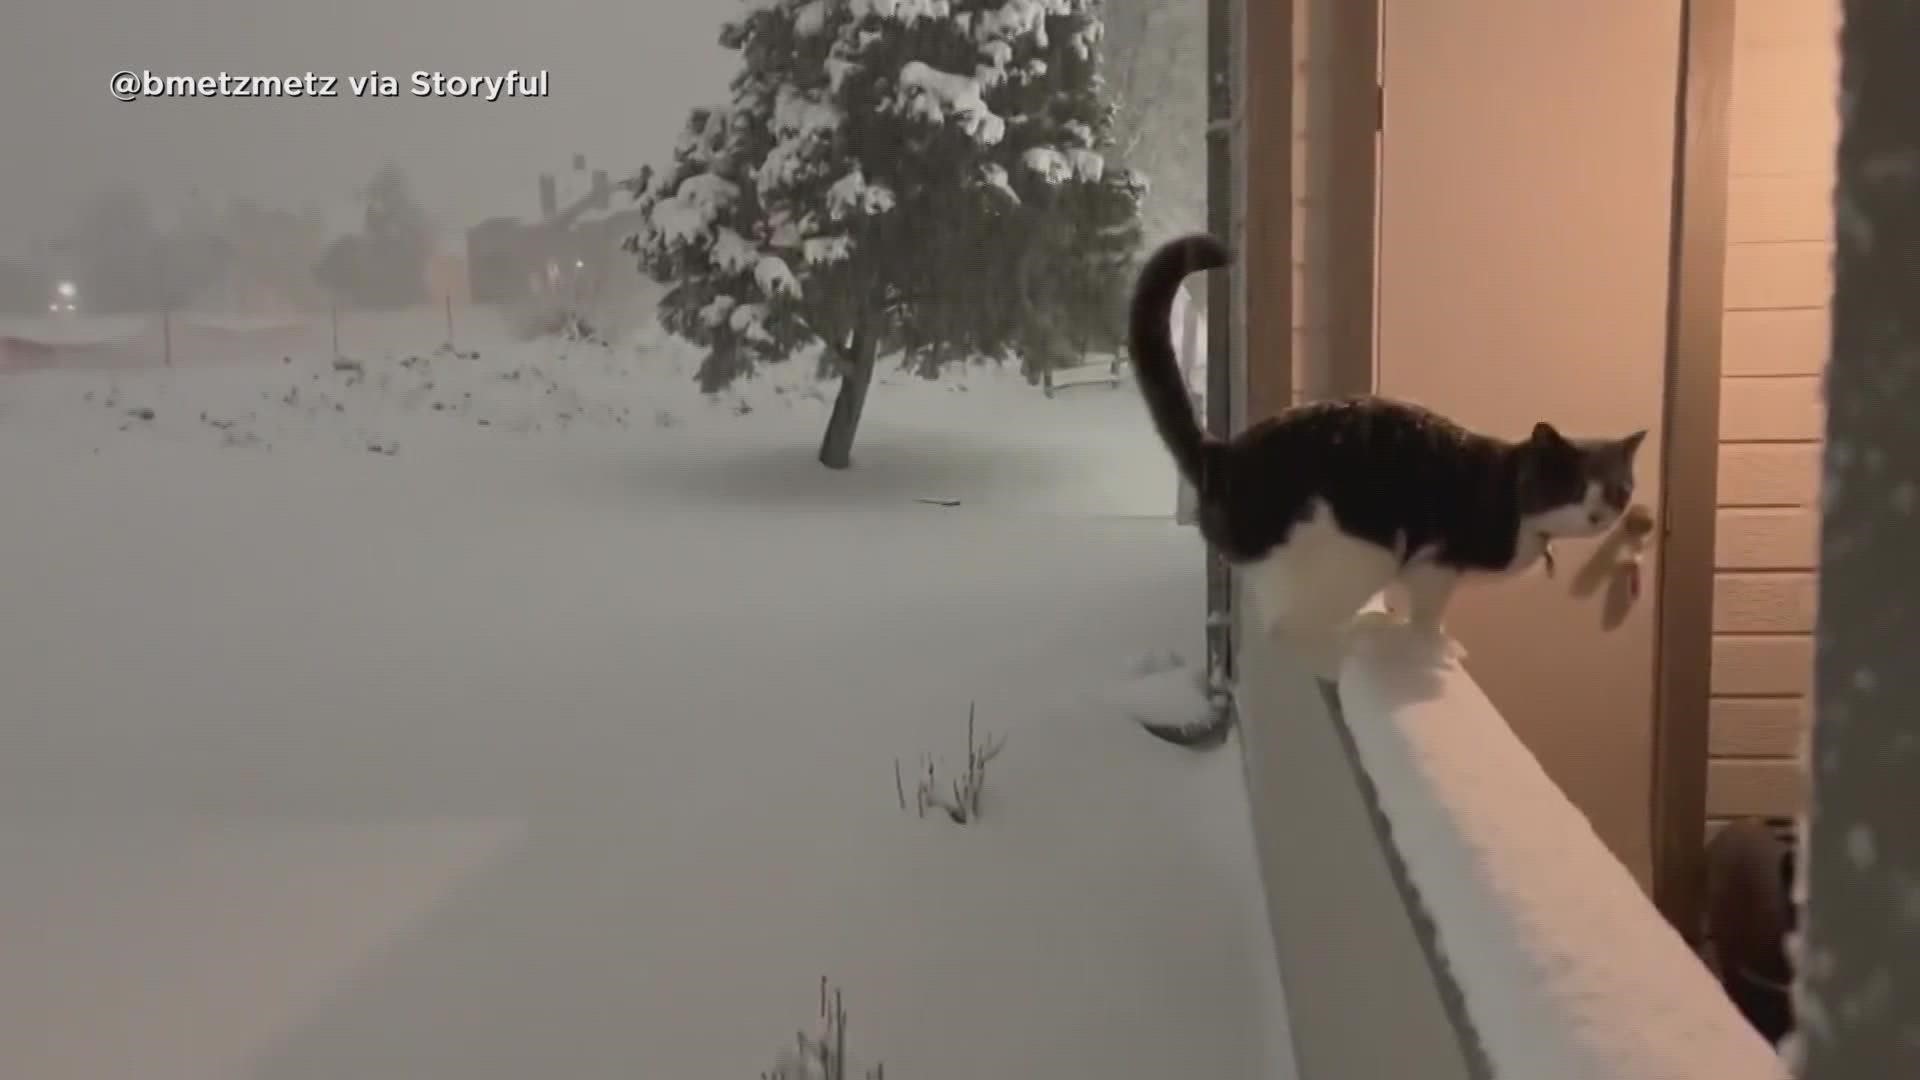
pixel 1546 957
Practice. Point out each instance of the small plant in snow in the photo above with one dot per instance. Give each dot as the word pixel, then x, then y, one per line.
pixel 959 800
pixel 822 1055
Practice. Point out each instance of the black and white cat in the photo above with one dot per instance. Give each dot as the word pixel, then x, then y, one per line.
pixel 1328 504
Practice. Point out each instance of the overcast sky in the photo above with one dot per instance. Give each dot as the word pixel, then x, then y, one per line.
pixel 622 75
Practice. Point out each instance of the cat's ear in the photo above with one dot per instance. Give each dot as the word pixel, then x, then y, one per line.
pixel 1545 434
pixel 1631 444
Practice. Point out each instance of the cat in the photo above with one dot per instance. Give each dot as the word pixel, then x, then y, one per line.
pixel 1330 503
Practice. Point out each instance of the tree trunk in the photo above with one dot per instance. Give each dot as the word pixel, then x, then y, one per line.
pixel 856 375
pixel 1859 960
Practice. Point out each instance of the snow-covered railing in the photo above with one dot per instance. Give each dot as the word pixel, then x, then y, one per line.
pixel 1441 909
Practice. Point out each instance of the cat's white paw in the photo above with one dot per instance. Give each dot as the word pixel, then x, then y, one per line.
pixel 1448 645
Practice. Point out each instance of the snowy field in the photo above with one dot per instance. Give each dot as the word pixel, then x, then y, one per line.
pixel 524 714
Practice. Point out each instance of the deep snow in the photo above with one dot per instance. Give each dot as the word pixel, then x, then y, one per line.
pixel 348 736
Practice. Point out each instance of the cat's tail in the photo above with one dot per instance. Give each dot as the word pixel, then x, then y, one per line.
pixel 1157 367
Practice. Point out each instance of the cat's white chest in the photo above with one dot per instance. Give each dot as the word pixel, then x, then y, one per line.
pixel 1320 577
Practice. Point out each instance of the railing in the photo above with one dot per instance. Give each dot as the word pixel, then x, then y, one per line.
pixel 1441 910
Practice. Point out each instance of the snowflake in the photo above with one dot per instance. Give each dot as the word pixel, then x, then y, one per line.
pixel 695 205
pixel 1051 164
pixel 1087 165
pixel 906 11
pixel 934 95
pixel 853 194
pixel 750 322
pixel 716 310
pixel 995 177
pixel 775 277
pixel 810 19
pixel 823 250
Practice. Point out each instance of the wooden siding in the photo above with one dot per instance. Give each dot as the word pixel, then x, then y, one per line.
pixel 1774 350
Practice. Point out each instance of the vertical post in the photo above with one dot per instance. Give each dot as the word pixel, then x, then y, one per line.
pixel 1222 391
pixel 166 304
pixel 1858 981
pixel 449 300
pixel 1250 205
pixel 1264 204
pixel 1346 236
pixel 334 315
pixel 1690 463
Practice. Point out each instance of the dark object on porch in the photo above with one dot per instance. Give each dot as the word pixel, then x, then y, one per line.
pixel 1208 735
pixel 1750 912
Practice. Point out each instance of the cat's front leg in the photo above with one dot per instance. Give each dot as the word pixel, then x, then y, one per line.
pixel 1430 588
pixel 1532 547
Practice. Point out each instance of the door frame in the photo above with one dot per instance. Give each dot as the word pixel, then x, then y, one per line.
pixel 1684 569
pixel 1682 585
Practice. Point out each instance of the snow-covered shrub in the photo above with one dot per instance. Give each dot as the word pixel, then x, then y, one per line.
pixel 551 319
pixel 959 799
pixel 823 1054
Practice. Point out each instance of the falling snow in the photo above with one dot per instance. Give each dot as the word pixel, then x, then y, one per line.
pixel 731 252
pixel 775 277
pixel 1051 164
pixel 994 176
pixel 936 96
pixel 826 250
pixel 852 195
pixel 1860 850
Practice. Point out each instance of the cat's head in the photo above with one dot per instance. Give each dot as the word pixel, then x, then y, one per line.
pixel 1574 487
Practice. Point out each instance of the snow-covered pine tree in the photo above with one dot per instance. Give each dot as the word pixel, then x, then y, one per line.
pixel 385 264
pixel 924 178
pixel 399 241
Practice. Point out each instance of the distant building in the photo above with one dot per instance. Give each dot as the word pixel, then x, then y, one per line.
pixel 571 254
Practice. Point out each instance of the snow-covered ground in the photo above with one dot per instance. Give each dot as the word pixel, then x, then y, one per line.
pixel 526 715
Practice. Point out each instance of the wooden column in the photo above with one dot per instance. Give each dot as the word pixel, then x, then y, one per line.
pixel 1683 573
pixel 1226 389
pixel 1352 167
pixel 1264 245
pixel 1859 974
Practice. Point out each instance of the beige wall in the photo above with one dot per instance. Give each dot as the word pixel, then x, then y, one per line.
pixel 1783 124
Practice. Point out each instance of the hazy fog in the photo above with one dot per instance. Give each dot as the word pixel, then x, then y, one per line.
pixel 622 74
